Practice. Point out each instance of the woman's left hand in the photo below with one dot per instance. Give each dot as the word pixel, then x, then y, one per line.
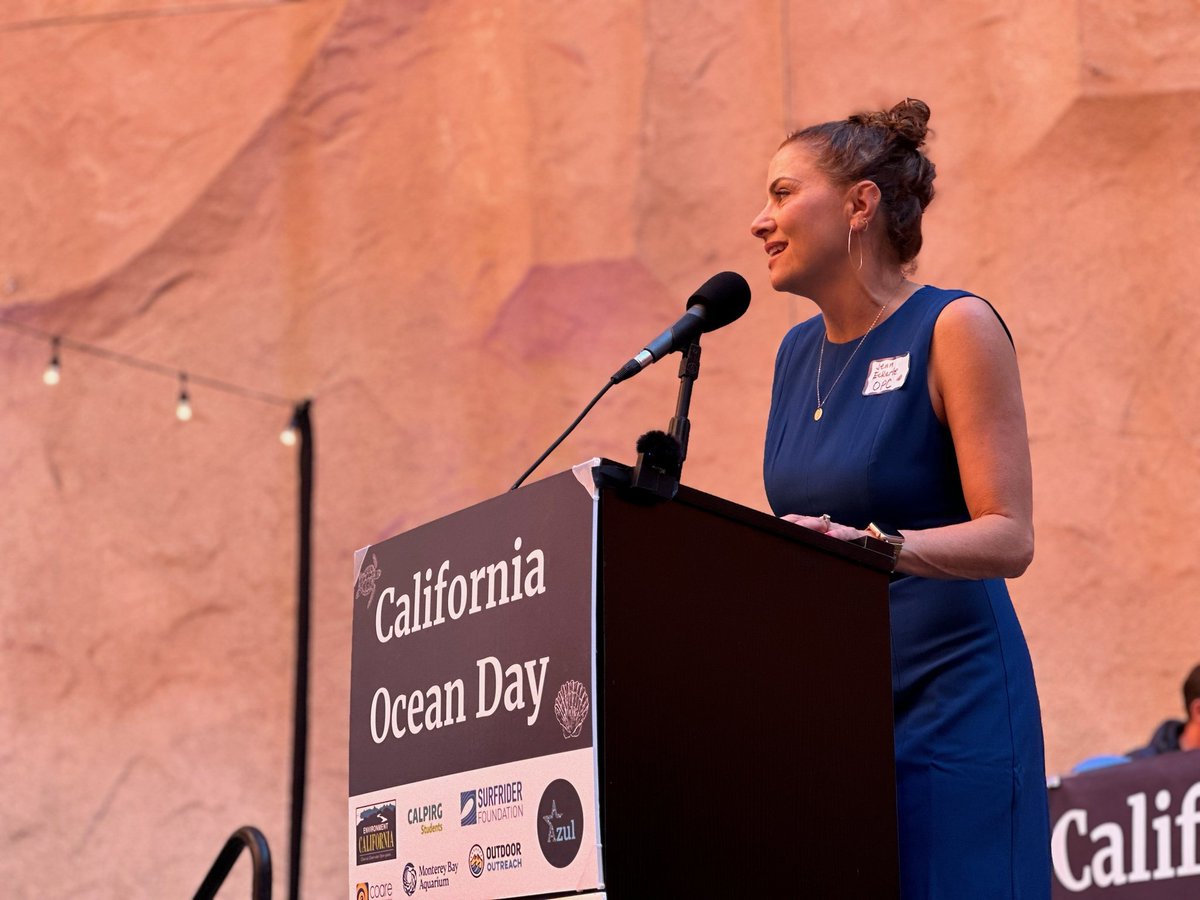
pixel 825 525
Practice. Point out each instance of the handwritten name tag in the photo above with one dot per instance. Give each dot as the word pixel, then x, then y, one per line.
pixel 886 375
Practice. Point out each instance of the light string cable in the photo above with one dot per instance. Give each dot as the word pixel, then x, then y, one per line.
pixel 53 374
pixel 298 433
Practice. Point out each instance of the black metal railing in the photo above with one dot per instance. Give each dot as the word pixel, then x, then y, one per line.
pixel 260 859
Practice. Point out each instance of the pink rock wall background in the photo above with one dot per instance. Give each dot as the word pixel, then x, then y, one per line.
pixel 448 222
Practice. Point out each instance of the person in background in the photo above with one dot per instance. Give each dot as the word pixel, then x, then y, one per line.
pixel 1174 735
pixel 897 413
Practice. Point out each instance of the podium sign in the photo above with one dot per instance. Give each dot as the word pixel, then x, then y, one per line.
pixel 473 736
pixel 1129 831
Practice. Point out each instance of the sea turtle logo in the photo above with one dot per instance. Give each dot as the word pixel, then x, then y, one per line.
pixel 366 581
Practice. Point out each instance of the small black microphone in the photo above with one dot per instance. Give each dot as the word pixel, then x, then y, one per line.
pixel 659 463
pixel 720 300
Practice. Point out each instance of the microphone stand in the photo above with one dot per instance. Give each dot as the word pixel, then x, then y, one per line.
pixel 689 371
pixel 660 456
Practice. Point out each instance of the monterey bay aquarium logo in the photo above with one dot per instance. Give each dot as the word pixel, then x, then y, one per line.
pixel 375 840
pixel 494 803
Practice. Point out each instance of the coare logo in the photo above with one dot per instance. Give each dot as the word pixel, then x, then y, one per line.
pixel 367 891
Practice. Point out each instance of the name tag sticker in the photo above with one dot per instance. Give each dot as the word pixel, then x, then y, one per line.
pixel 886 375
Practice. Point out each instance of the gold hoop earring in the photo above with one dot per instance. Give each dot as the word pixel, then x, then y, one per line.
pixel 849 235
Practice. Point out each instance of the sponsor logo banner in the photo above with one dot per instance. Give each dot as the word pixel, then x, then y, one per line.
pixel 523 828
pixel 1130 830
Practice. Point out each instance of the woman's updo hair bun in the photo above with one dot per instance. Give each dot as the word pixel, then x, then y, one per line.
pixel 908 121
pixel 883 147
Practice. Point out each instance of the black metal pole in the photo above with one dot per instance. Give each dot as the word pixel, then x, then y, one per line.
pixel 303 614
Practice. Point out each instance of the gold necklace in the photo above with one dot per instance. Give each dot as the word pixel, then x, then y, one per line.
pixel 818 412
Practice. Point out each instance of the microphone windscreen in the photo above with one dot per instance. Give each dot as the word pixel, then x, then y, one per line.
pixel 662 448
pixel 725 297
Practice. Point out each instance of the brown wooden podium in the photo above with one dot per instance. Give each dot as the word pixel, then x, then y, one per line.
pixel 745 704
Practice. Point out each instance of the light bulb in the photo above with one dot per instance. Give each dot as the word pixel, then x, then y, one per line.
pixel 183 408
pixel 52 375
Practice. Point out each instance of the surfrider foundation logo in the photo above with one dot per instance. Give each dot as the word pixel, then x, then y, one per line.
pixel 571 707
pixel 491 803
pixel 468 812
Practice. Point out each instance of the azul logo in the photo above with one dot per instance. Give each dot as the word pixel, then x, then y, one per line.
pixel 428 817
pixel 560 825
pixel 494 803
pixel 376 891
pixel 375 833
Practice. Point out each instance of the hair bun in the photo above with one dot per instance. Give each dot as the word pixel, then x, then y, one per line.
pixel 909 119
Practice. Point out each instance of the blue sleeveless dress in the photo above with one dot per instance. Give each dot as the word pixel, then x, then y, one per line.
pixel 971 789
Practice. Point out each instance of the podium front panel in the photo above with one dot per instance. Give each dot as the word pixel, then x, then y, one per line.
pixel 472 725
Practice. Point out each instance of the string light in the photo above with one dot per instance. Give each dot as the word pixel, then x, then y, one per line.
pixel 52 375
pixel 183 409
pixel 290 435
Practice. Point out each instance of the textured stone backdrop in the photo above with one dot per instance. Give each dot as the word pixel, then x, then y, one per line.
pixel 448 222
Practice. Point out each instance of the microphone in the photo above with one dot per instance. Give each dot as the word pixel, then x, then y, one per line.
pixel 720 300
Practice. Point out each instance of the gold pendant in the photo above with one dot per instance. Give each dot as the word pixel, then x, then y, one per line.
pixel 817 414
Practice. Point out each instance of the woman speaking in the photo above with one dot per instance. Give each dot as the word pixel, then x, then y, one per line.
pixel 897 413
